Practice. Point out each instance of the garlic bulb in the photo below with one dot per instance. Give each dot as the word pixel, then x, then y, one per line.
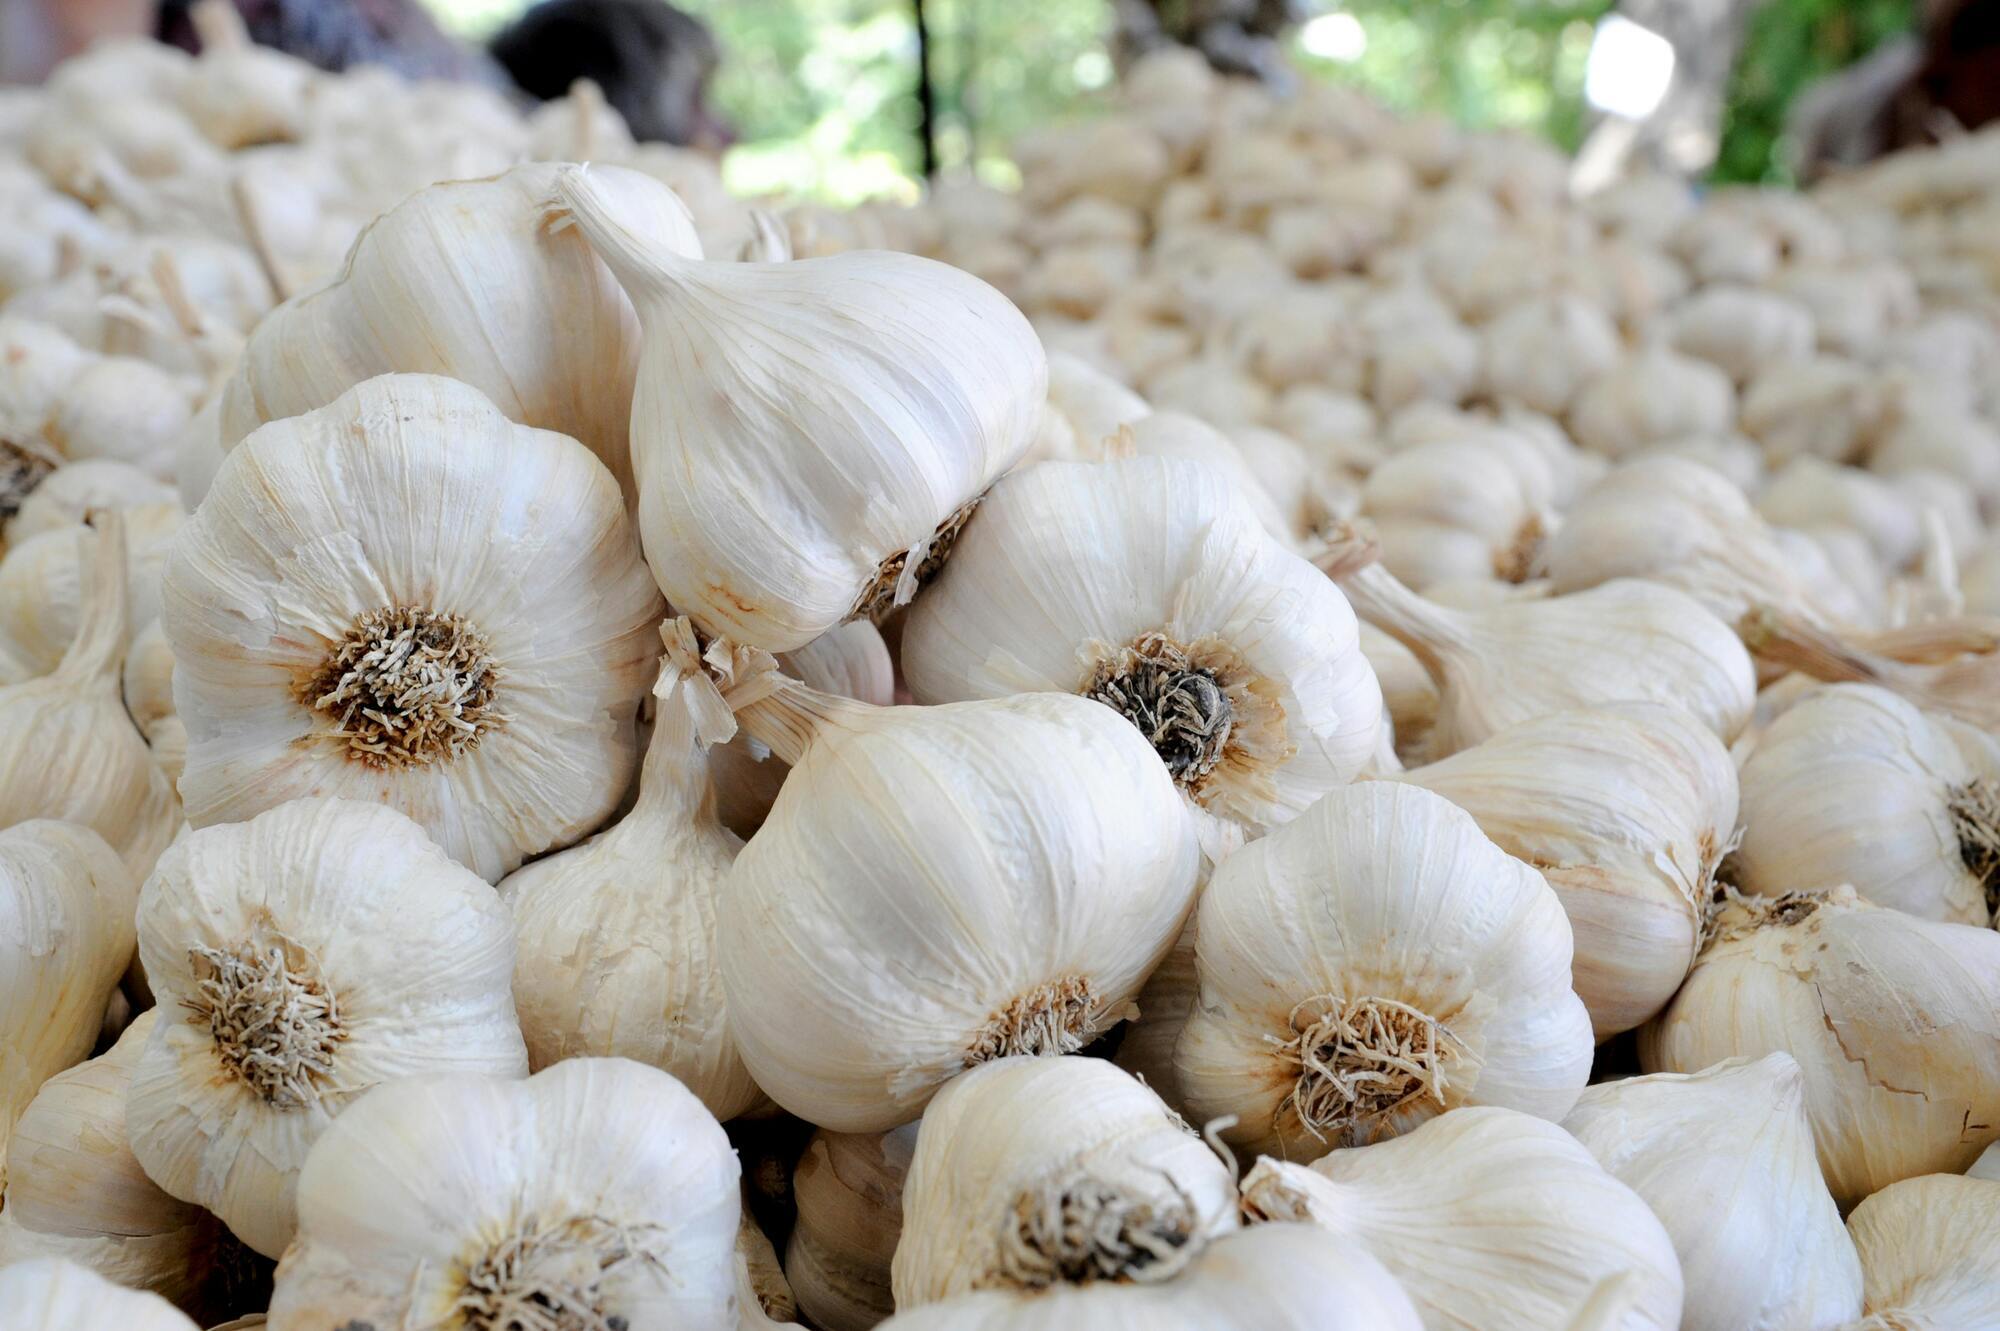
pixel 1724 1157
pixel 240 94
pixel 1090 402
pixel 1268 1278
pixel 615 938
pixel 1626 808
pixel 41 586
pixel 405 597
pixel 123 410
pixel 849 1190
pixel 1741 329
pixel 76 755
pixel 71 492
pixel 286 941
pixel 1455 508
pixel 1871 1002
pixel 1373 963
pixel 1927 1251
pixel 1808 492
pixel 1854 785
pixel 937 887
pixel 465 279
pixel 75 1190
pixel 148 689
pixel 1174 434
pixel 1821 406
pixel 600 1187
pixel 1624 641
pixel 1651 396
pixel 1148 586
pixel 808 436
pixel 1542 351
pixel 1490 1218
pixel 68 906
pixel 1032 1173
pixel 37 361
pixel 50 1294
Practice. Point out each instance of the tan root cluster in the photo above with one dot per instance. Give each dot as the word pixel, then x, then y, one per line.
pixel 275 1024
pixel 1362 1059
pixel 1059 1017
pixel 549 1275
pixel 1975 816
pixel 895 582
pixel 406 687
pixel 1081 1229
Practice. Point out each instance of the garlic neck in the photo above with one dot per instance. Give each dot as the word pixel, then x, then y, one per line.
pixel 628 246
pixel 1432 632
pixel 546 1274
pixel 1080 1230
pixel 792 714
pixel 673 779
pixel 98 650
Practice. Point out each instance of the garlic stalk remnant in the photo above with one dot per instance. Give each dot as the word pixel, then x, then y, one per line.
pixel 1490 1218
pixel 598 1193
pixel 279 950
pixel 1031 1173
pixel 1626 808
pixel 1928 1254
pixel 1725 1159
pixel 1147 586
pixel 1371 964
pixel 849 1190
pixel 404 597
pixel 1854 785
pixel 50 1294
pixel 808 437
pixel 1895 1022
pixel 937 887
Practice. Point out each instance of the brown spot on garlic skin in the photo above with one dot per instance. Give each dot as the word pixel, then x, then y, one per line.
pixel 1360 1060
pixel 878 599
pixel 405 687
pixel 1080 1230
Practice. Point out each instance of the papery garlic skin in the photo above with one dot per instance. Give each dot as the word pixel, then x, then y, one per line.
pixel 615 938
pixel 1123 579
pixel 310 910
pixel 841 412
pixel 41 587
pixel 1626 808
pixel 466 279
pixel 1374 963
pixel 66 901
pixel 849 1190
pixel 1266 1278
pixel 1854 785
pixel 1490 1218
pixel 1927 1251
pixel 148 688
pixel 1725 1159
pixel 50 1294
pixel 939 886
pixel 408 509
pixel 600 1180
pixel 1034 1173
pixel 1870 1002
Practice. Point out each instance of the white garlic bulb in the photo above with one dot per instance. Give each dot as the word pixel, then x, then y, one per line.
pixel 1626 808
pixel 72 491
pixel 599 1186
pixel 849 1190
pixel 1822 406
pixel 1653 395
pixel 1457 508
pixel 51 1294
pixel 1854 785
pixel 124 410
pixel 1871 1002
pixel 808 436
pixel 1542 351
pixel 1927 1252
pixel 1724 1157
pixel 148 688
pixel 1626 640
pixel 615 938
pixel 1147 585
pixel 1741 329
pixel 1490 1218
pixel 37 361
pixel 41 586
pixel 283 946
pixel 1267 1278
pixel 68 904
pixel 369 604
pixel 1031 1173
pixel 465 279
pixel 240 94
pixel 1175 434
pixel 940 886
pixel 1808 493
pixel 1374 963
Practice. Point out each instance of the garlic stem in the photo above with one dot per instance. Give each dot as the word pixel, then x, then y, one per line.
pixel 639 261
pixel 98 649
pixel 788 718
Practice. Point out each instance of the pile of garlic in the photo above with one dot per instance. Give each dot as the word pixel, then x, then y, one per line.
pixel 1291 727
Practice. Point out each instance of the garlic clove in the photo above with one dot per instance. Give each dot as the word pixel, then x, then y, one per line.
pixel 50 1294
pixel 1927 1251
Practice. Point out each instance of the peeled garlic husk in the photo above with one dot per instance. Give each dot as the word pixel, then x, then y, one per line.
pixel 1032 1173
pixel 1871 1002
pixel 844 414
pixel 72 491
pixel 615 938
pixel 1542 351
pixel 68 901
pixel 1653 395
pixel 74 752
pixel 849 1190
pixel 1026 861
pixel 1374 963
pixel 411 510
pixel 1855 785
pixel 763 1297
pixel 1147 581
pixel 284 945
pixel 51 1294
pixel 1927 1252
pixel 576 1188
pixel 1266 1278
pixel 41 586
pixel 75 1190
pixel 1490 1218
pixel 1626 808
pixel 1627 640
pixel 466 279
pixel 1724 1157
